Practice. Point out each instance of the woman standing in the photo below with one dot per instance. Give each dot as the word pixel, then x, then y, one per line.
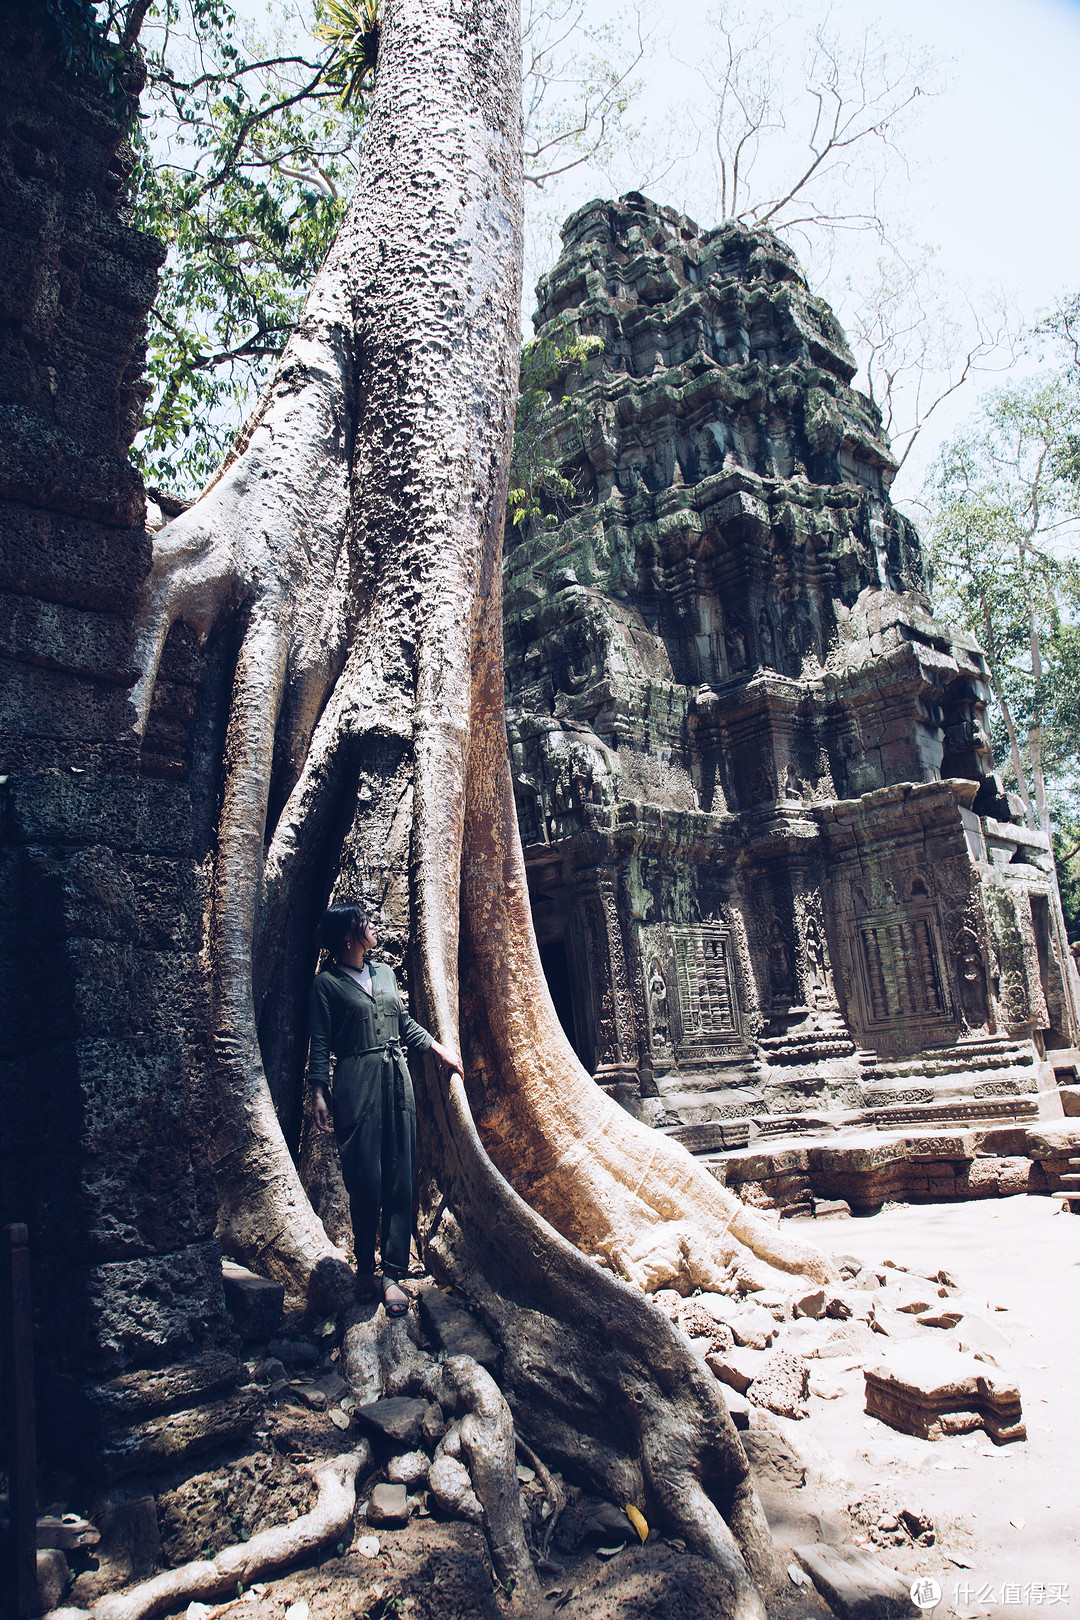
pixel 356 1013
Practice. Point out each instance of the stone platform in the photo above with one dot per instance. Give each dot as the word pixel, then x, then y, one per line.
pixel 868 1168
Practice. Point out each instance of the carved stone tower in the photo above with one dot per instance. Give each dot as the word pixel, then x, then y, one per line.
pixel 776 884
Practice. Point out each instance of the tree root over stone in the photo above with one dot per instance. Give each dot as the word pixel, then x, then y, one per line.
pixel 597 1377
pixel 487 1439
pixel 209 1580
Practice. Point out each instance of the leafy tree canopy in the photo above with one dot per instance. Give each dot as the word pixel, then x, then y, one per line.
pixel 246 157
pixel 1004 501
pixel 247 138
pixel 537 488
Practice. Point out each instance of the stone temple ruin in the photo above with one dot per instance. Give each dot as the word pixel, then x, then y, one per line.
pixel 778 888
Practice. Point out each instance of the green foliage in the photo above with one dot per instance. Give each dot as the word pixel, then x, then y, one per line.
pixel 245 160
pixel 534 477
pixel 1067 856
pixel 86 52
pixel 354 27
pixel 246 152
pixel 1005 508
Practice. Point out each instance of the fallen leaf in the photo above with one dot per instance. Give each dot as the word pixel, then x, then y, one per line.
pixel 638 1520
pixel 298 1610
pixel 601 1552
pixel 368 1546
pixel 1018 1524
pixel 796 1575
pixel 338 1418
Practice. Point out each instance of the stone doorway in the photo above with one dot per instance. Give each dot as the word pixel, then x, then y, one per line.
pixel 555 961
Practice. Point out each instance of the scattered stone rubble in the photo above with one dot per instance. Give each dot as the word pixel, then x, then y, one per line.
pixel 938 1375
pixel 888 1523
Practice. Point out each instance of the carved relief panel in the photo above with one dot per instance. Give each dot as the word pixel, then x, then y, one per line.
pixel 691 984
pixel 614 1040
pixel 901 968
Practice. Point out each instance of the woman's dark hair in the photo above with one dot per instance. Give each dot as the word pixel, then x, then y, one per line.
pixel 342 919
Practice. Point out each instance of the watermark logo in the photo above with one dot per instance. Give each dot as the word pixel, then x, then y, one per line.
pixel 1038 1594
pixel 925 1592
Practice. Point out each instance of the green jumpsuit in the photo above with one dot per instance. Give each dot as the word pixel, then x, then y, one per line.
pixel 373 1105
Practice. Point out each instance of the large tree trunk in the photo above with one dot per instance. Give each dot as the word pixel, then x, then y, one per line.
pixel 356 533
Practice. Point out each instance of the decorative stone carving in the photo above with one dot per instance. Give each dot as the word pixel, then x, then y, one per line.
pixel 658 1007
pixel 708 1011
pixel 818 992
pixel 902 968
pixel 735 643
pixel 971 975
pixel 781 976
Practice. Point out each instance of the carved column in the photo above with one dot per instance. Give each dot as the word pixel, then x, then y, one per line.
pixel 615 1041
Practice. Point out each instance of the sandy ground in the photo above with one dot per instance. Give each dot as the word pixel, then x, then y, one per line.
pixel 1008 1518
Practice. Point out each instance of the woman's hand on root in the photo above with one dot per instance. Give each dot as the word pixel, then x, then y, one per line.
pixel 320 1111
pixel 449 1060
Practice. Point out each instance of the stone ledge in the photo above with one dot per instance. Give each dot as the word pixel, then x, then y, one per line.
pixel 254 1303
pixel 183 1434
pixel 932 1392
pixel 152 1392
pixel 855 1585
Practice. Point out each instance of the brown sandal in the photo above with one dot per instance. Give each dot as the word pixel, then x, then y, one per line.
pixel 395 1307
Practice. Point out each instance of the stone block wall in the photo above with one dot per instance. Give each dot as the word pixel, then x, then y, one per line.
pixel 865 1171
pixel 104 1074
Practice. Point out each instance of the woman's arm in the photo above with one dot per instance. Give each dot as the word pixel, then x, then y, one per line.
pixel 419 1039
pixel 319 1054
pixel 449 1060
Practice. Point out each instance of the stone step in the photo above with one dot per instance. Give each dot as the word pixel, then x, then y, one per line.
pixel 1071 1179
pixel 1020 1072
pixel 255 1303
pixel 711 1136
pixel 956 1057
pixel 1065 1062
pixel 942 1088
pixel 957 1110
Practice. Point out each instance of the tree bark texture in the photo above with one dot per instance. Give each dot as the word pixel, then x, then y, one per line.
pixel 354 537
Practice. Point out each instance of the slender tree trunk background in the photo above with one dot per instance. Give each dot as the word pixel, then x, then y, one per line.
pixel 355 538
